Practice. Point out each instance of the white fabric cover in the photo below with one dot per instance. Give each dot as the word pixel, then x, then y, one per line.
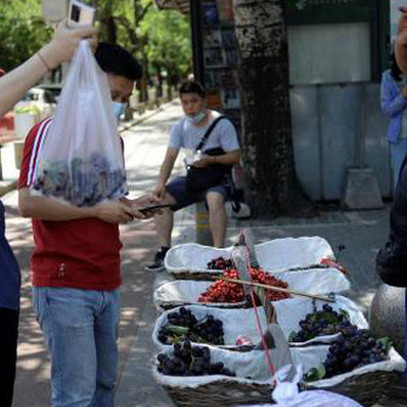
pixel 275 255
pixel 313 281
pixel 291 253
pixel 235 322
pixel 244 364
pixel 254 364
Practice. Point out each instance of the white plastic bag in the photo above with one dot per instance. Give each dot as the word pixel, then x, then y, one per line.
pixel 81 159
pixel 286 393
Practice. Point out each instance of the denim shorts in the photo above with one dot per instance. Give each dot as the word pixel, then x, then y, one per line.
pixel 178 190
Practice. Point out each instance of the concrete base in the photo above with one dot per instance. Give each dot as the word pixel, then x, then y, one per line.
pixel 362 189
pixel 387 315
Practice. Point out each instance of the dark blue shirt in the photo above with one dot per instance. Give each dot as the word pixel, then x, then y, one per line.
pixel 9 271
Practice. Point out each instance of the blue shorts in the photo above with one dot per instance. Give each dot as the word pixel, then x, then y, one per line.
pixel 178 190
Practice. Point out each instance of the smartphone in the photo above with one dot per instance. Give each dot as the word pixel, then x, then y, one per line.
pixel 153 206
pixel 80 14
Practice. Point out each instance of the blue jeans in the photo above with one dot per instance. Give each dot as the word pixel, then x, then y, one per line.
pixel 398 152
pixel 80 329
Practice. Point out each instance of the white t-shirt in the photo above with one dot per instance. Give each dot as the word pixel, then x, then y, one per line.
pixel 185 134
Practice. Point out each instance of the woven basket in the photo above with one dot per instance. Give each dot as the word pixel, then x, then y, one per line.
pixel 223 393
pixel 366 389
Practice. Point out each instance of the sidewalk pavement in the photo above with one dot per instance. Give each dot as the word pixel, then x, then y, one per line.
pixel 362 232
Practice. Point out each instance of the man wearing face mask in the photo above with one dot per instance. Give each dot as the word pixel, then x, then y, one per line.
pixel 188 133
pixel 76 265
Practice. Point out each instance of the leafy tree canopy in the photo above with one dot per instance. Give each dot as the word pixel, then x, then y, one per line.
pixel 22 31
pixel 168 40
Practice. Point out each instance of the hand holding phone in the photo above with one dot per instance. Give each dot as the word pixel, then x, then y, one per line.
pixel 80 14
pixel 153 207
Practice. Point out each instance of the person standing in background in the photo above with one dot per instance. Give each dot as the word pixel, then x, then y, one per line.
pixel 13 86
pixel 393 102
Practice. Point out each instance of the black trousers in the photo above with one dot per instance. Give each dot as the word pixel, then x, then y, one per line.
pixel 8 354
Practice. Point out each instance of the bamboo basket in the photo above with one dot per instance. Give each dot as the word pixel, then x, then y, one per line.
pixel 225 393
pixel 366 389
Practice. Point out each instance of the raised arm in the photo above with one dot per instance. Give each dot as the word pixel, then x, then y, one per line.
pixel 15 84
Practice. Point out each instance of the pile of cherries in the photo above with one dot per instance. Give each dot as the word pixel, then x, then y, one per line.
pixel 222 291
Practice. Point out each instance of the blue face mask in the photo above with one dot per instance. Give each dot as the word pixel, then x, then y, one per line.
pixel 118 109
pixel 198 118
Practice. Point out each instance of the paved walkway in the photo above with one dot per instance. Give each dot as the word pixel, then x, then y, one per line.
pixel 361 232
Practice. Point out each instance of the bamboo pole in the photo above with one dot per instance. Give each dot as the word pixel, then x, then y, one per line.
pixel 274 288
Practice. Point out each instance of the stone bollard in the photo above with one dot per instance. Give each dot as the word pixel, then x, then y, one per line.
pixel 202 229
pixel 387 315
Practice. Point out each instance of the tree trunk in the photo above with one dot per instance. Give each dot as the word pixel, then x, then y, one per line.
pixel 272 187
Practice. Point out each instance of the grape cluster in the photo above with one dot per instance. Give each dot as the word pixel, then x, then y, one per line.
pixel 82 182
pixel 188 360
pixel 220 263
pixel 353 349
pixel 324 322
pixel 183 325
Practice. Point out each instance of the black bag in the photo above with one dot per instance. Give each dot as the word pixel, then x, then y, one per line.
pixel 391 264
pixel 200 179
pixel 391 260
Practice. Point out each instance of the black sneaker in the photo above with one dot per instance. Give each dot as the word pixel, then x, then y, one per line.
pixel 158 263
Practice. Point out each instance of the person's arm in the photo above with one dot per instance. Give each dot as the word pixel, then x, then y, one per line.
pixel 165 172
pixel 391 105
pixel 229 158
pixel 15 84
pixel 50 209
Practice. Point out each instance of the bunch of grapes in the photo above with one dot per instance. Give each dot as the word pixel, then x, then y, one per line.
pixel 183 325
pixel 222 291
pixel 220 264
pixel 324 322
pixel 353 349
pixel 258 275
pixel 190 360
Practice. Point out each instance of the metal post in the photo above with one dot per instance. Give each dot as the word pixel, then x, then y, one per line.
pixel 202 228
pixel 196 36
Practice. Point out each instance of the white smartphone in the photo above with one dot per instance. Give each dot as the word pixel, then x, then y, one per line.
pixel 80 14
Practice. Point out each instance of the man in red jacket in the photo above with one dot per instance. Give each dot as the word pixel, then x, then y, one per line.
pixel 76 266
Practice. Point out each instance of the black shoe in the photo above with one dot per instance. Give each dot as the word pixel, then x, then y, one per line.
pixel 158 263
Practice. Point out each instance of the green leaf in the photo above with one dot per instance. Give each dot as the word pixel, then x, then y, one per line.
pixel 292 335
pixel 345 314
pixel 316 373
pixel 177 330
pixel 386 342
